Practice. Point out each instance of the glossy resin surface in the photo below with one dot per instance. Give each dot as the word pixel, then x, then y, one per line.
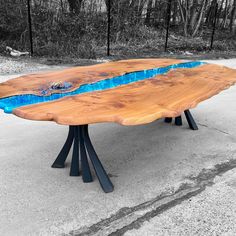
pixel 10 103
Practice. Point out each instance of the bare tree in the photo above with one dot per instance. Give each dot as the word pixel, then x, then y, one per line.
pixel 192 12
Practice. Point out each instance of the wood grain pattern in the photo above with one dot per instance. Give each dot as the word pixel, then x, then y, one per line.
pixel 137 103
pixel 35 83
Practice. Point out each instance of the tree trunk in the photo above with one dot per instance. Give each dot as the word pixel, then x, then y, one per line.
pixel 220 11
pixel 225 15
pixel 193 15
pixel 202 11
pixel 149 11
pixel 186 18
pixel 233 18
pixel 175 12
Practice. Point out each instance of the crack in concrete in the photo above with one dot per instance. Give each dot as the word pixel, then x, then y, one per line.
pixel 213 128
pixel 133 217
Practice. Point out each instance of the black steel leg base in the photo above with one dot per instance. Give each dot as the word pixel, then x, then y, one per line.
pixel 191 122
pixel 168 119
pixel 82 149
pixel 178 120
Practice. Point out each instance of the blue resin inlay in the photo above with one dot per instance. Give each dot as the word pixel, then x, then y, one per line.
pixel 10 103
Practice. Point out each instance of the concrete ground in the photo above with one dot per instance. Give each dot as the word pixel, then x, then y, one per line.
pixel 168 180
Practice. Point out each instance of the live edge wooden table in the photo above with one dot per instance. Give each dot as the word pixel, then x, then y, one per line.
pixel 129 92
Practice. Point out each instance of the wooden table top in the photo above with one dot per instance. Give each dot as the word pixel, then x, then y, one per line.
pixel 134 103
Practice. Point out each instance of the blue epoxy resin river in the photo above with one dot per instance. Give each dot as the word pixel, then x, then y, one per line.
pixel 10 103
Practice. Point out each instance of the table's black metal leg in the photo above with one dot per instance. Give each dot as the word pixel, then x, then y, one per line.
pixel 61 158
pixel 192 124
pixel 178 120
pixel 74 169
pixel 86 173
pixel 103 178
pixel 168 119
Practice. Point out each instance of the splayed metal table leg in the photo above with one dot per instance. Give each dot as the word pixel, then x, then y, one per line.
pixel 61 158
pixel 168 119
pixel 103 178
pixel 74 169
pixel 82 149
pixel 178 121
pixel 192 124
pixel 86 173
